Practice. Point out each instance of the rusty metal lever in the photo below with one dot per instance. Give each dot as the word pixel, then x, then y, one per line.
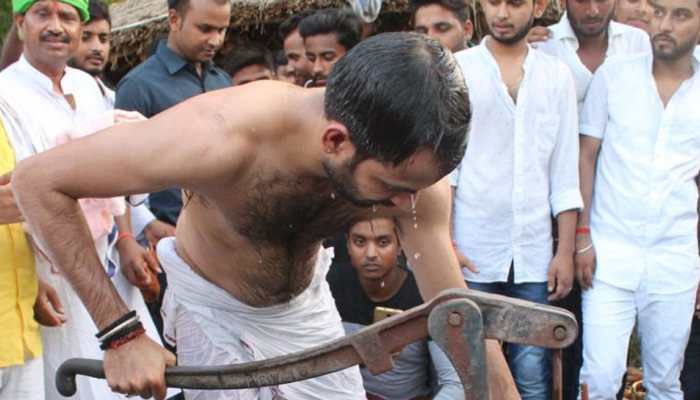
pixel 502 318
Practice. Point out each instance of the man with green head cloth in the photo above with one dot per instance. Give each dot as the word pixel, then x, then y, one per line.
pixel 19 7
pixel 51 100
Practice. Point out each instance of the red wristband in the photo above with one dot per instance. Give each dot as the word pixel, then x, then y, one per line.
pixel 123 235
pixel 126 338
pixel 583 230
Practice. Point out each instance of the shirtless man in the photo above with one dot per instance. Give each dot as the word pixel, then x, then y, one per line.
pixel 264 189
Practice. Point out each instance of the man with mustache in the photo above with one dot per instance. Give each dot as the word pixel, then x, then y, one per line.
pixel 585 36
pixel 376 284
pixel 640 157
pixel 447 21
pixel 271 170
pixel 520 169
pixel 328 34
pixel 52 101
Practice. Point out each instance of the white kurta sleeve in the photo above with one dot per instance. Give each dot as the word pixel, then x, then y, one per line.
pixel 563 168
pixel 594 115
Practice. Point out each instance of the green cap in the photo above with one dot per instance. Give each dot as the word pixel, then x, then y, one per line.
pixel 21 6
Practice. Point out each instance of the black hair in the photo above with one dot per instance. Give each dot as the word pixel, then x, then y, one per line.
pixel 292 23
pixel 99 11
pixel 460 8
pixel 245 56
pixel 181 5
pixel 344 23
pixel 279 59
pixel 398 93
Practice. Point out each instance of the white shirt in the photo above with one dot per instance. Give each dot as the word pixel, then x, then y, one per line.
pixel 521 166
pixel 643 215
pixel 563 44
pixel 31 94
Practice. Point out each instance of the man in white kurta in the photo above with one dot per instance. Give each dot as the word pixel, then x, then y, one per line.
pixel 519 170
pixel 640 153
pixel 52 114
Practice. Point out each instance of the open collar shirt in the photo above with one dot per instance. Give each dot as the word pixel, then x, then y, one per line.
pixel 644 209
pixel 563 44
pixel 520 168
pixel 30 93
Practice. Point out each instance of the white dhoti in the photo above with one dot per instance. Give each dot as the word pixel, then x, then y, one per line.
pixel 76 338
pixel 210 327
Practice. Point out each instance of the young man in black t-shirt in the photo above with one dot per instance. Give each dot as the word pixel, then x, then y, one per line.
pixel 375 285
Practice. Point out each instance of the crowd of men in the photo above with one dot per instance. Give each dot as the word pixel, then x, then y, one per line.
pixel 578 188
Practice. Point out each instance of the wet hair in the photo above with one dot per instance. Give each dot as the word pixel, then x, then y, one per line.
pixel 279 59
pixel 398 93
pixel 292 23
pixel 460 8
pixel 344 23
pixel 99 11
pixel 181 5
pixel 245 56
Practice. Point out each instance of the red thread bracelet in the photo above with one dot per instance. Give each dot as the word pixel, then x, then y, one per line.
pixel 116 343
pixel 583 230
pixel 123 235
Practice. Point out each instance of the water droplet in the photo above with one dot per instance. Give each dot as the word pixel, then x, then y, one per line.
pixel 291 226
pixel 259 260
pixel 413 203
pixel 382 284
pixel 415 226
pixel 416 256
pixel 333 195
pixel 374 208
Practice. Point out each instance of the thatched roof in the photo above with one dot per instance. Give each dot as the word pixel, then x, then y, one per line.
pixel 136 22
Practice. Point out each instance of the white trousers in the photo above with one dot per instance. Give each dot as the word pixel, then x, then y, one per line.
pixel 663 325
pixel 23 382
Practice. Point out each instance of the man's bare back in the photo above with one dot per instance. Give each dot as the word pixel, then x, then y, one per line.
pixel 263 163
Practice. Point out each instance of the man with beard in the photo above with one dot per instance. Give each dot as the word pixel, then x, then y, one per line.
pixel 271 170
pixel 293 45
pixel 640 156
pixel 446 21
pixel 328 34
pixel 585 36
pixel 519 170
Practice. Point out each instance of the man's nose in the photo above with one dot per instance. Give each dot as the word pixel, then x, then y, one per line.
pixel 371 252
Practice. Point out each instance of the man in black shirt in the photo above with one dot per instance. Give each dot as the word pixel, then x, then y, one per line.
pixel 375 285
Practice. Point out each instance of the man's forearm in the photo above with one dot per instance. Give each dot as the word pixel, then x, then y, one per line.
pixel 566 229
pixel 60 227
pixel 587 163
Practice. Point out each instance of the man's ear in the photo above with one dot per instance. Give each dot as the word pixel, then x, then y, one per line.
pixel 19 23
pixel 468 30
pixel 336 139
pixel 540 7
pixel 174 20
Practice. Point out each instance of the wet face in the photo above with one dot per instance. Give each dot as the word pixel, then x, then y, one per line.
pixel 373 248
pixel 199 31
pixel 322 51
pixel 636 13
pixel 297 64
pixel 93 50
pixel 251 73
pixel 283 74
pixel 674 28
pixel 509 21
pixel 443 25
pixel 50 31
pixel 590 18
pixel 369 182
